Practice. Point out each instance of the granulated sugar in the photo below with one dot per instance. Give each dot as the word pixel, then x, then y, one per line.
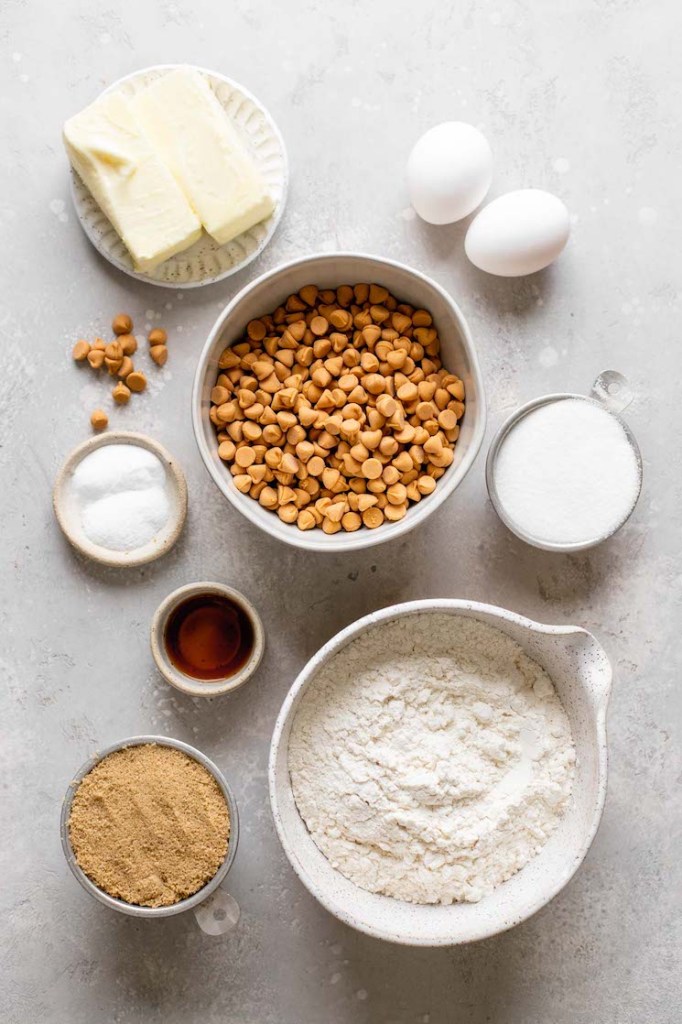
pixel 566 473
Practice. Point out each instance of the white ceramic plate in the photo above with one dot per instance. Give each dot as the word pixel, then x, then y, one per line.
pixel 205 262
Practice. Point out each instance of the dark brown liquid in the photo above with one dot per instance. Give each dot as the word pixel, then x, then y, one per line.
pixel 208 636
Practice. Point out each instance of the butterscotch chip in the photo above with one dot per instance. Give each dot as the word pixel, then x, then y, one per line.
pixel 334 416
pixel 372 517
pixel 121 393
pixel 159 354
pixel 149 825
pixel 80 351
pixel 157 336
pixel 99 419
pixel 245 457
pixel 351 522
pixel 96 358
pixel 128 343
pixel 122 324
pixel 114 351
pixel 256 330
pixel 126 367
pixel 136 381
pixel 319 325
pixel 372 469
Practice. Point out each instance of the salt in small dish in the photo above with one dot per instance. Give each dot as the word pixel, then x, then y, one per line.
pixel 68 515
pixel 193 685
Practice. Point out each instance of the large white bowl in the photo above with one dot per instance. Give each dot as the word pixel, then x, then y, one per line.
pixel 581 673
pixel 330 271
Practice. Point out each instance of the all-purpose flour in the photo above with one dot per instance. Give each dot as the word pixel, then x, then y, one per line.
pixel 431 759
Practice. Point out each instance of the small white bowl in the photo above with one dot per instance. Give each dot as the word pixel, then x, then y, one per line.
pixel 329 270
pixel 69 519
pixel 188 684
pixel 205 262
pixel 582 675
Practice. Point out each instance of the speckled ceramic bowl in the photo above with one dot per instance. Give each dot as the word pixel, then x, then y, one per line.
pixel 204 687
pixel 329 270
pixel 68 516
pixel 581 673
pixel 192 902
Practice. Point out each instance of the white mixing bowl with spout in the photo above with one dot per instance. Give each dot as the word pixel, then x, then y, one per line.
pixel 582 676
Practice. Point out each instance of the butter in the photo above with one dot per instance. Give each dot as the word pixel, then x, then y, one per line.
pixel 194 137
pixel 116 161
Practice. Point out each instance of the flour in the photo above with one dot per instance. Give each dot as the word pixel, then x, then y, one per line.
pixel 431 759
pixel 567 473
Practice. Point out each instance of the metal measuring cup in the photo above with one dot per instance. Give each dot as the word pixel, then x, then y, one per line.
pixel 215 910
pixel 610 391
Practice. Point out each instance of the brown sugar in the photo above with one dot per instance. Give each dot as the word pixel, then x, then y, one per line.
pixel 149 825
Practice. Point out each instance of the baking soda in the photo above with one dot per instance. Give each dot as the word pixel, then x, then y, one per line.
pixel 567 473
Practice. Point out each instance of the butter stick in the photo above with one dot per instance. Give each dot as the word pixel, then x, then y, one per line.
pixel 113 156
pixel 196 139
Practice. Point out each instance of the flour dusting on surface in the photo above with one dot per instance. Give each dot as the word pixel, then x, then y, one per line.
pixel 431 759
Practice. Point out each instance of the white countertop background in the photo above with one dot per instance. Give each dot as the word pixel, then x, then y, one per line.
pixel 581 97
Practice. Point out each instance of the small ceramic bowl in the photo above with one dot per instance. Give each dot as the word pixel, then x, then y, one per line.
pixel 581 672
pixel 192 902
pixel 205 262
pixel 188 684
pixel 329 270
pixel 68 517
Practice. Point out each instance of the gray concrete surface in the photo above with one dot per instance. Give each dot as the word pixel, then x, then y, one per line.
pixel 579 96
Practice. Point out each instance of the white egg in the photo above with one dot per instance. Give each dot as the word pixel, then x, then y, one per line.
pixel 518 233
pixel 449 172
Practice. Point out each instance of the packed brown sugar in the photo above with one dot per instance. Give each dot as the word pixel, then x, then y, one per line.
pixel 149 825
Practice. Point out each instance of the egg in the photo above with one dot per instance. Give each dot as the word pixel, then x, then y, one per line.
pixel 449 172
pixel 518 233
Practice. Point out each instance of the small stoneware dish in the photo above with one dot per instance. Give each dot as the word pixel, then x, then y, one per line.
pixel 611 392
pixel 205 262
pixel 188 684
pixel 329 270
pixel 207 892
pixel 582 675
pixel 68 517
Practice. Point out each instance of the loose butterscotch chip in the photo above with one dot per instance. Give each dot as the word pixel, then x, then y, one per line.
pixel 149 825
pixel 159 354
pixel 99 419
pixel 122 324
pixel 80 351
pixel 121 393
pixel 96 358
pixel 136 381
pixel 114 351
pixel 128 343
pixel 126 367
pixel 372 517
pixel 157 336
